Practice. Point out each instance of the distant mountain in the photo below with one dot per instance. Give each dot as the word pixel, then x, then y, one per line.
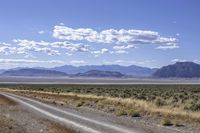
pixel 2 70
pixel 132 70
pixel 68 69
pixel 32 72
pixel 179 70
pixel 127 70
pixel 97 73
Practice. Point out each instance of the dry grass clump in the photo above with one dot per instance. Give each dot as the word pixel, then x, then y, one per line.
pixel 133 113
pixel 177 123
pixel 121 113
pixel 166 122
pixel 80 103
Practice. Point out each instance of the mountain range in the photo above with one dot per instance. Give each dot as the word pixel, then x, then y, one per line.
pixel 97 73
pixel 87 71
pixel 32 72
pixel 177 70
pixel 127 70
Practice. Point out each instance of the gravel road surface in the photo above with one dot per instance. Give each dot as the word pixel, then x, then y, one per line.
pixel 71 119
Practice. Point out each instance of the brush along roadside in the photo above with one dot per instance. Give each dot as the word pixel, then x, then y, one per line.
pixel 119 106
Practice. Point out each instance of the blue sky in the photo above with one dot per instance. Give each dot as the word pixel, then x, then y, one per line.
pixel 92 32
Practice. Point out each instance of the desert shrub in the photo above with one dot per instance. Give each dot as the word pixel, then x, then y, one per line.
pixel 133 113
pixel 195 107
pixel 79 104
pixel 166 122
pixel 159 102
pixel 178 124
pixel 54 102
pixel 121 113
pixel 175 99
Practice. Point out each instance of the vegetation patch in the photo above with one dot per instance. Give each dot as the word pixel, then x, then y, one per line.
pixel 179 102
pixel 195 107
pixel 79 104
pixel 166 122
pixel 133 113
pixel 121 113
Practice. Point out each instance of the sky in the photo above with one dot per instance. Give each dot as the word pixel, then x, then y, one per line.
pixel 49 33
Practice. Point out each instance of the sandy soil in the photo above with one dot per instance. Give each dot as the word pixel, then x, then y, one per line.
pixel 15 119
pixel 5 101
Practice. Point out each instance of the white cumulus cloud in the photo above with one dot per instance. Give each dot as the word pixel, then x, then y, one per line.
pixel 77 62
pixel 168 46
pixel 101 51
pixel 41 32
pixel 109 36
pixel 25 61
pixel 27 46
pixel 129 62
pixel 123 47
pixel 71 46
